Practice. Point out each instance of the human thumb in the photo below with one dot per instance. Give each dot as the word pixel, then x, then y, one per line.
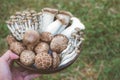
pixel 9 56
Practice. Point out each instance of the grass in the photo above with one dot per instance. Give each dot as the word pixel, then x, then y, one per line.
pixel 100 56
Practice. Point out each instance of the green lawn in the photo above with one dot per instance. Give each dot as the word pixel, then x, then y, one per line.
pixel 100 56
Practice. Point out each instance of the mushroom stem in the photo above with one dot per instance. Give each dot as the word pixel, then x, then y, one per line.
pixel 10 28
pixel 53 27
pixel 14 31
pixel 29 21
pixel 75 23
pixel 24 24
pixel 18 28
pixel 48 16
pixel 22 28
pixel 40 21
pixel 36 25
pixel 62 28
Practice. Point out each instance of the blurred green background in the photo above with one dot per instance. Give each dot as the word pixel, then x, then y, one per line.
pixel 100 56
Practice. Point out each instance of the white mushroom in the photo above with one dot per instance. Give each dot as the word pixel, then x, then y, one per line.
pixel 61 22
pixel 67 15
pixel 75 23
pixel 48 16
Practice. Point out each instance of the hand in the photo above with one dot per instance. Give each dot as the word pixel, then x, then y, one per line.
pixel 13 73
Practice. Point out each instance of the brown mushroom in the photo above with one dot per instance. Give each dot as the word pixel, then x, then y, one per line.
pixel 43 60
pixel 59 43
pixel 42 46
pixel 17 47
pixel 46 37
pixel 30 39
pixel 56 60
pixel 10 39
pixel 27 57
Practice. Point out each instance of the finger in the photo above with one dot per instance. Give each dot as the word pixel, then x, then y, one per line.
pixel 32 76
pixel 9 56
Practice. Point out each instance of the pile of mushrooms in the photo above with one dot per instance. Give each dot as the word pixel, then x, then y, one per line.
pixel 47 39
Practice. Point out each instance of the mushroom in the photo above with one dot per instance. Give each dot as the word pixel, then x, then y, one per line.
pixel 46 37
pixel 30 39
pixel 43 60
pixel 59 43
pixel 10 39
pixel 42 46
pixel 27 57
pixel 48 15
pixel 56 59
pixel 61 19
pixel 67 15
pixel 69 56
pixel 75 23
pixel 17 47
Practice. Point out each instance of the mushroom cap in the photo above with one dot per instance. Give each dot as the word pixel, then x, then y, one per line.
pixel 17 47
pixel 42 46
pixel 10 39
pixel 64 17
pixel 27 57
pixel 50 10
pixel 43 60
pixel 46 37
pixel 30 39
pixel 56 60
pixel 66 13
pixel 59 43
